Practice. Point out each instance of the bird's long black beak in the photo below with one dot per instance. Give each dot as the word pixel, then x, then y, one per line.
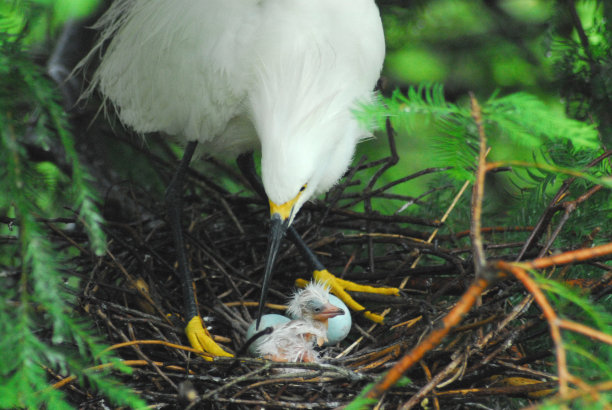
pixel 278 227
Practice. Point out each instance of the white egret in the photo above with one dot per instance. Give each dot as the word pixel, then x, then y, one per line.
pixel 281 76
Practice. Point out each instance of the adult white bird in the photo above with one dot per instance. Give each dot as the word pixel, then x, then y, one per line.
pixel 235 75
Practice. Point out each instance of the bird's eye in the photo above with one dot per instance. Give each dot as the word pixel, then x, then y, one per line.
pixel 303 188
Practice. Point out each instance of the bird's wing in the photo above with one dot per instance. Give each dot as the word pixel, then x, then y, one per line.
pixel 176 66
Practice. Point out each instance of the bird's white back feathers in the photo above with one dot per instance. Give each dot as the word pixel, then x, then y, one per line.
pixel 177 66
pixel 236 74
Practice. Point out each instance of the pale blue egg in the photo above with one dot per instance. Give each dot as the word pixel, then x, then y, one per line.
pixel 266 321
pixel 339 326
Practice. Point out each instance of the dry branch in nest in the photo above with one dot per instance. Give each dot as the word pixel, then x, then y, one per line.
pixel 461 339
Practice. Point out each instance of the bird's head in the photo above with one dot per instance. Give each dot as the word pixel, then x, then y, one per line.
pixel 303 112
pixel 292 176
pixel 299 168
pixel 312 303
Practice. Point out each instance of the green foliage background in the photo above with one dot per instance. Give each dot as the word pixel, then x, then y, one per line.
pixel 34 301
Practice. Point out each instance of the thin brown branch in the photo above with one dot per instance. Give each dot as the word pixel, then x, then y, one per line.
pixel 585 330
pixel 564 258
pixel 431 384
pixel 551 318
pixel 478 190
pixel 434 338
pixel 552 208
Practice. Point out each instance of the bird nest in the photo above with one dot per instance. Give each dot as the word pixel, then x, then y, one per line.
pixel 498 356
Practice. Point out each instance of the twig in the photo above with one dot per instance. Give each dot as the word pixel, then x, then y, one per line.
pixel 550 316
pixel 431 384
pixel 478 191
pixel 434 338
pixel 237 380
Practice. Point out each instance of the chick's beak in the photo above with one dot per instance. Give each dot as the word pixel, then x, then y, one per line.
pixel 328 312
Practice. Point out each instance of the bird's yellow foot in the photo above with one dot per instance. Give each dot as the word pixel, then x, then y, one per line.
pixel 201 340
pixel 340 286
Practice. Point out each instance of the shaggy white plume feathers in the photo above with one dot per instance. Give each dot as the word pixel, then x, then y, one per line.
pixel 238 74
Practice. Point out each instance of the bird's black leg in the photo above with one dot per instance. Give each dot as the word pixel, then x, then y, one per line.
pixel 246 164
pixel 174 206
pixel 196 333
pixel 337 285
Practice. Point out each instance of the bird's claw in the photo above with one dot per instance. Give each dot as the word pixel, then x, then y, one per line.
pixel 340 286
pixel 201 340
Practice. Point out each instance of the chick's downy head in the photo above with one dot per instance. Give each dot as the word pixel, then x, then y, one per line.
pixel 312 303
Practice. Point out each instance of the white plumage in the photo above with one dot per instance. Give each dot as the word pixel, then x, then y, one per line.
pixel 280 75
pixel 309 302
pixel 306 302
pixel 295 341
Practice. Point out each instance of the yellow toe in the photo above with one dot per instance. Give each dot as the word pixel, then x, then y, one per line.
pixel 340 286
pixel 201 340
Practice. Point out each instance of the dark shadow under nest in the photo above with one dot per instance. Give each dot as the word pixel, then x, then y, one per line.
pixel 132 293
